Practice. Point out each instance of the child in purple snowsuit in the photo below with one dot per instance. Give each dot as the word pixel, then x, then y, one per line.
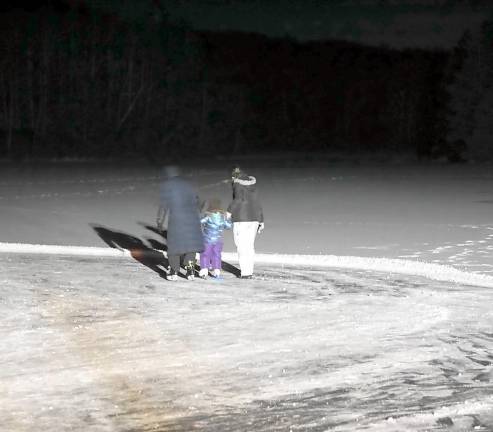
pixel 214 223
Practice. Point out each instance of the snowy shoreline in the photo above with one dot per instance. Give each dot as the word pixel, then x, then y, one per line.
pixel 438 272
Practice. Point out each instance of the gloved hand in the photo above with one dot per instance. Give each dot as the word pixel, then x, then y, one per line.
pixel 159 224
pixel 260 227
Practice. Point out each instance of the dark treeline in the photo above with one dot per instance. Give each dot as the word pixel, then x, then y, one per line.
pixel 329 95
pixel 80 84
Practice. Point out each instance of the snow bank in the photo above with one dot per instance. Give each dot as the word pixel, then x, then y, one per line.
pixel 437 272
pixel 408 267
pixel 62 250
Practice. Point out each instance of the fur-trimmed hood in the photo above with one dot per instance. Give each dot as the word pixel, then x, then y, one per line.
pixel 245 180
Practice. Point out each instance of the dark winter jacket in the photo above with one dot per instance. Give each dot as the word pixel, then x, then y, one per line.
pixel 184 229
pixel 213 225
pixel 245 206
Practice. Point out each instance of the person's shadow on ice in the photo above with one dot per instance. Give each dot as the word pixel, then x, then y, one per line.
pixel 148 256
pixel 230 268
pixel 227 267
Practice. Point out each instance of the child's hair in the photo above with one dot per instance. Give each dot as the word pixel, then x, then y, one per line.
pixel 214 205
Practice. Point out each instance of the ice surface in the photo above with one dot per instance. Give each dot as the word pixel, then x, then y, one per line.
pixel 432 213
pixel 105 344
pixel 90 344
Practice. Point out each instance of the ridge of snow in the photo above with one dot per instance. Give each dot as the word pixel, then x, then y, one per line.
pixel 62 250
pixel 439 272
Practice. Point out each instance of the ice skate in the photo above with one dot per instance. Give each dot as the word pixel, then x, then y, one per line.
pixel 203 273
pixel 190 268
pixel 171 276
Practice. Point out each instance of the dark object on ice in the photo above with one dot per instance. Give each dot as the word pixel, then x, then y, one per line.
pixel 157 230
pixel 180 202
pixel 138 250
pixel 445 421
pixel 227 267
pixel 180 205
pixel 246 277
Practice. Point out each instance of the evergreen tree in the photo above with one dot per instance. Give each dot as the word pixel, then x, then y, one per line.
pixel 471 93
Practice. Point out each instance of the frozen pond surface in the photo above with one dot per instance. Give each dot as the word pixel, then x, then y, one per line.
pixel 433 213
pixel 92 344
pixel 108 345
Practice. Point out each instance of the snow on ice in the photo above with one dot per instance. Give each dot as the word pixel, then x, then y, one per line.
pixel 370 309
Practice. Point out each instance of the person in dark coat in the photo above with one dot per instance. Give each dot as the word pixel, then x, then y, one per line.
pixel 180 204
pixel 248 220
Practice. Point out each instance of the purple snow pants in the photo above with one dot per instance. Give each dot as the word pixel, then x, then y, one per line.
pixel 211 256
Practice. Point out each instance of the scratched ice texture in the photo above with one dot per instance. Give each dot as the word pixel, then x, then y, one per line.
pixel 108 345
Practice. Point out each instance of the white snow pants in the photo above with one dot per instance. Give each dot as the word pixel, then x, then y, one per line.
pixel 244 234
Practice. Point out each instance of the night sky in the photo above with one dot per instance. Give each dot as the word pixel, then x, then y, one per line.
pixel 399 23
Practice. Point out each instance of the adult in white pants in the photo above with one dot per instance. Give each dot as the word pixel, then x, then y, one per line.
pixel 244 234
pixel 248 220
